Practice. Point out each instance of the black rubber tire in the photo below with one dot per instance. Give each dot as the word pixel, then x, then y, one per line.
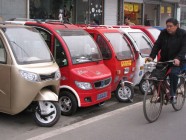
pixel 123 98
pixel 180 93
pixel 38 120
pixel 68 103
pixel 149 103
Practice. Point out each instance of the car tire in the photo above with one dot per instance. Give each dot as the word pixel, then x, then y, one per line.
pixel 68 103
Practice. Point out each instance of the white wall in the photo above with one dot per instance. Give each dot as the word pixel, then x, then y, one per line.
pixel 12 9
pixel 110 12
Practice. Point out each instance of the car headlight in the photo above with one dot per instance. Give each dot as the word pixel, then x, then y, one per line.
pixel 83 85
pixel 33 77
pixel 57 75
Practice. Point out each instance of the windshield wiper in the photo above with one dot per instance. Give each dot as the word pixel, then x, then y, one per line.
pixel 20 47
pixel 93 59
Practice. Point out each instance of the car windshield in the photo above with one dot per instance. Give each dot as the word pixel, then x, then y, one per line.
pixel 28 46
pixel 143 43
pixel 120 45
pixel 155 32
pixel 81 46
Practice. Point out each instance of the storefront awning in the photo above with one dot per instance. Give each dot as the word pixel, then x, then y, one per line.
pixel 134 1
pixel 152 1
pixel 172 1
pixel 160 1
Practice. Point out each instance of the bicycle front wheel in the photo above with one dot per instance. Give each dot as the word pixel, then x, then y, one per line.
pixel 152 103
pixel 180 92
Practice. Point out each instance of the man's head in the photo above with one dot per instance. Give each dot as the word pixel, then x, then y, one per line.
pixel 127 20
pixel 171 25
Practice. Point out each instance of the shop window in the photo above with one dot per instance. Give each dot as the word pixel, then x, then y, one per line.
pixel 81 11
pixel 134 12
pixel 104 48
pixel 48 9
pixel 183 18
pixel 88 11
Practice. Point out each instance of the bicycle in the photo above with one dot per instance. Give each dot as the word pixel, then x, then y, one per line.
pixel 158 92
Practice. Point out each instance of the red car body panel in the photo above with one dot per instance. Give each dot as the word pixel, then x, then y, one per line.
pixel 116 66
pixel 91 72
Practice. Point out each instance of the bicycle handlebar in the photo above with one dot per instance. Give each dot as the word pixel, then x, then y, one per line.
pixel 169 61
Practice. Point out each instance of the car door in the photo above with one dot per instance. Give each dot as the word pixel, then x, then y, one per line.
pixel 5 73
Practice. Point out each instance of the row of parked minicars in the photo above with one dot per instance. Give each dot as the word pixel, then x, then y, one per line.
pixel 91 68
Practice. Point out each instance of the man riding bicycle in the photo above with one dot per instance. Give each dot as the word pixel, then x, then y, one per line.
pixel 172 46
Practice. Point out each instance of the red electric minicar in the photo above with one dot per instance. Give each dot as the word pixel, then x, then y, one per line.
pixel 118 57
pixel 85 80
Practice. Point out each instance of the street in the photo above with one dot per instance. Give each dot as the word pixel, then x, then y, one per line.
pixel 86 49
pixel 22 126
pixel 124 124
pixel 114 120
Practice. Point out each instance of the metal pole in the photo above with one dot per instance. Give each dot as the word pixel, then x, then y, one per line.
pixel 28 9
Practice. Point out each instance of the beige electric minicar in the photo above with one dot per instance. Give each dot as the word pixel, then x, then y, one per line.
pixel 29 76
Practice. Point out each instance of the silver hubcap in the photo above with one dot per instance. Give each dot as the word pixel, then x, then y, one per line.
pixel 126 94
pixel 46 108
pixel 65 104
pixel 144 86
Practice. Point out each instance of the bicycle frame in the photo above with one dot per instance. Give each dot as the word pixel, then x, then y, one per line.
pixel 160 90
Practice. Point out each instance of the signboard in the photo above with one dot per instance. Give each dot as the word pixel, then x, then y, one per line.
pixel 169 10
pixel 136 8
pixel 131 9
pixel 126 63
pixel 162 10
pixel 126 7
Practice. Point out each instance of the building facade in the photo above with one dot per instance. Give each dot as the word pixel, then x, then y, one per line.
pixel 13 8
pixel 109 12
pixel 182 15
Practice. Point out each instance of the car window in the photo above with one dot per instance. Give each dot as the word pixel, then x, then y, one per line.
pixel 26 46
pixel 59 54
pixel 2 52
pixel 120 45
pixel 105 50
pixel 142 42
pixel 155 32
pixel 81 46
pixel 46 35
pixel 92 35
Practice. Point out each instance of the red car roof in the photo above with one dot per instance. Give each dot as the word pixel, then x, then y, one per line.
pixel 53 25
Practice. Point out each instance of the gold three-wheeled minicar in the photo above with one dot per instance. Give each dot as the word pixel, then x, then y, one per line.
pixel 29 76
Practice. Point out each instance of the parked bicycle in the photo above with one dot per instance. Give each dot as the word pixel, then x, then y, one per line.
pixel 158 91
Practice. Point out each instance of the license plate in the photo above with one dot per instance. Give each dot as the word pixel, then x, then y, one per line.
pixel 101 95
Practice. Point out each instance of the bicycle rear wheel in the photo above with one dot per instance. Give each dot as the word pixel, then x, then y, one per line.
pixel 152 103
pixel 180 93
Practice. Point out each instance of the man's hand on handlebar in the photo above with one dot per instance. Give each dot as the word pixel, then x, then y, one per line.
pixel 148 59
pixel 176 62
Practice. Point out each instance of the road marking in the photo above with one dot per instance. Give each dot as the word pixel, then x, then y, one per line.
pixel 82 123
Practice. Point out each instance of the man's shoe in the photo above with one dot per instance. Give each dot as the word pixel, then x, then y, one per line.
pixel 173 100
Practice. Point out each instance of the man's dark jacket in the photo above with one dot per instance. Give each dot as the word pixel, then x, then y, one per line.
pixel 171 46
